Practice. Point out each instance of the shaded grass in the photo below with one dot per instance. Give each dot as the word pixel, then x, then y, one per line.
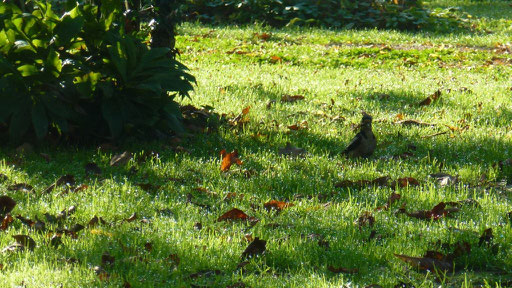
pixel 328 68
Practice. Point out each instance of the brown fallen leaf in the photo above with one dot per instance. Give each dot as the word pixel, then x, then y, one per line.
pixel 255 248
pixel 391 199
pixel 290 150
pixel 432 261
pixel 431 98
pixel 436 213
pixel 276 205
pixel 121 159
pixel 68 180
pixel 405 182
pixel 366 219
pixel 229 159
pixel 21 187
pixel 56 241
pixel 26 221
pixel 263 36
pixel 132 218
pixel 6 221
pixel 25 240
pixel 95 221
pixel 107 259
pixel 486 237
pixel 233 214
pixel 414 122
pixel 291 98
pixel 6 204
pixel 338 270
pixel 241 119
pixel 92 168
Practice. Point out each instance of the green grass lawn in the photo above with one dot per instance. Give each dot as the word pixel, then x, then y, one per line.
pixel 175 240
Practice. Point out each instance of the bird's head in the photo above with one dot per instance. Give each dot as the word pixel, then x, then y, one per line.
pixel 367 119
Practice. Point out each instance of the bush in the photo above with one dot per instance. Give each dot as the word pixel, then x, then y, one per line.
pixel 397 14
pixel 81 75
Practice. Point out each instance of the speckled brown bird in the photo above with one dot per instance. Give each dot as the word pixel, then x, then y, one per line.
pixel 364 142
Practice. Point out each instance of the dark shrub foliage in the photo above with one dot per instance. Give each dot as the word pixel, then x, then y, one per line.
pixel 80 75
pixel 396 14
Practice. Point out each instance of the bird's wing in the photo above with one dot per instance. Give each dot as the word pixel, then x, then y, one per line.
pixel 354 144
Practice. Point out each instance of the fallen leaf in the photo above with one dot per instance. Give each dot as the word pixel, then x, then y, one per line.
pixel 56 241
pixel 6 221
pixel 92 168
pixel 431 98
pixel 121 159
pixel 173 258
pixel 229 159
pixel 290 150
pixel 25 240
pixel 432 261
pixel 256 247
pixel 338 270
pixel 275 59
pixel 107 259
pixel 68 180
pixel 486 237
pixel 233 214
pixel 405 182
pixel 263 36
pixel 95 221
pixel 6 204
pixel 366 219
pixel 291 98
pixel 391 199
pixel 436 213
pixel 21 187
pixel 276 205
pixel 26 221
pixel 413 122
pixel 132 218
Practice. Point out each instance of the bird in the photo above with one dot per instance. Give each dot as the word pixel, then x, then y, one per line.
pixel 364 143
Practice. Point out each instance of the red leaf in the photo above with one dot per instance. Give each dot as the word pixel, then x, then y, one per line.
pixel 6 221
pixel 233 214
pixel 277 205
pixel 229 159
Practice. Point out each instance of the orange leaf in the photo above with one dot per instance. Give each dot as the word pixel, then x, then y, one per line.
pixel 229 159
pixel 233 214
pixel 277 205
